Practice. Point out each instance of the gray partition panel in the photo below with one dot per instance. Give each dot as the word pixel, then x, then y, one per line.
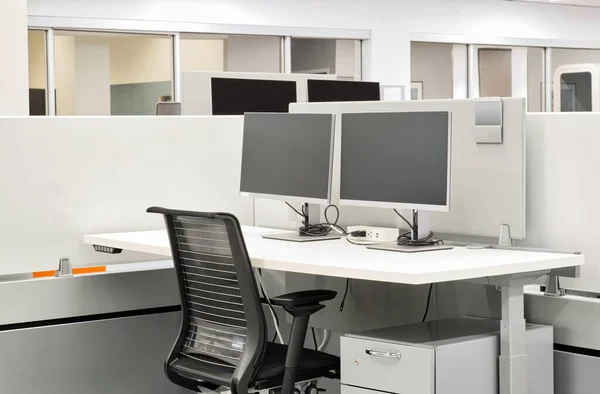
pixel 110 356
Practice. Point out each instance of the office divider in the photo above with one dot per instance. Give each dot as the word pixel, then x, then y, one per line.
pixel 72 176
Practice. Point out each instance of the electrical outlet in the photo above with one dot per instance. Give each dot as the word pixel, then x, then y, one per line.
pixel 377 234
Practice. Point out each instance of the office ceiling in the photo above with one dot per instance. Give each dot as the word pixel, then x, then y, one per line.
pixel 587 3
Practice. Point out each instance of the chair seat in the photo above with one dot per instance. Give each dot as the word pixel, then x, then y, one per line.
pixel 312 362
pixel 313 365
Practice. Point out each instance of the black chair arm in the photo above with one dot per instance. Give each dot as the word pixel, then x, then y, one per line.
pixel 303 298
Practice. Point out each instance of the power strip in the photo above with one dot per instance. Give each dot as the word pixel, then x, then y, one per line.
pixel 376 234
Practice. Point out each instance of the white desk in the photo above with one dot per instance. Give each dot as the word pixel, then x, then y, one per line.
pixel 509 269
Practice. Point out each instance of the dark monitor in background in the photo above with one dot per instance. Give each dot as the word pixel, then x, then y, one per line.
pixel 234 96
pixel 322 91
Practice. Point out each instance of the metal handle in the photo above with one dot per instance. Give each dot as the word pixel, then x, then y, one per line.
pixel 378 353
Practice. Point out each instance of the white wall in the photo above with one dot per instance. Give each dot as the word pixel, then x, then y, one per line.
pixel 431 64
pixel 560 57
pixel 345 59
pixel 14 93
pixel 391 21
pixel 92 77
pixel 253 54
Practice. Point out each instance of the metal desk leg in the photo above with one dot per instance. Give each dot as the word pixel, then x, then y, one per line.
pixel 513 350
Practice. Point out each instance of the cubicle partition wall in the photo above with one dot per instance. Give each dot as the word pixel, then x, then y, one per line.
pixel 563 210
pixel 64 177
pixel 487 180
pixel 82 175
pixel 196 87
pixel 563 189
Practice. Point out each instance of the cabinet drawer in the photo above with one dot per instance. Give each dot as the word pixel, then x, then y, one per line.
pixel 382 366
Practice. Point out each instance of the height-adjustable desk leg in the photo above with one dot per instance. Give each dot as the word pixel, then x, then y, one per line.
pixel 513 350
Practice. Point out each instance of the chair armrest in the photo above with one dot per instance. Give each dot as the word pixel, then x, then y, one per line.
pixel 303 298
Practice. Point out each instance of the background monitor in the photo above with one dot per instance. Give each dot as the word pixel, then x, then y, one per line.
pixel 396 160
pixel 288 156
pixel 235 96
pixel 322 90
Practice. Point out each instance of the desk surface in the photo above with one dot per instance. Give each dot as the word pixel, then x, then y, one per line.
pixel 342 259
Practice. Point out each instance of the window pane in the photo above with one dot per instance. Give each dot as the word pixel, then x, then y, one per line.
pixel 576 94
pixel 536 96
pixel 213 52
pixel 111 74
pixel 495 72
pixel 253 54
pixel 202 52
pixel 431 71
pixel 37 72
pixel 327 56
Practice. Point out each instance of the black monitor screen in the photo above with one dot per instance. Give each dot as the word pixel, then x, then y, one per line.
pixel 322 90
pixel 287 155
pixel 233 96
pixel 397 158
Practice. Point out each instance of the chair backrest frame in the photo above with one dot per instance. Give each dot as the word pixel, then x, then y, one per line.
pixel 256 332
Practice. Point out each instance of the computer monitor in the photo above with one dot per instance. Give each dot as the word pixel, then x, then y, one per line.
pixel 236 96
pixel 396 160
pixel 288 157
pixel 323 90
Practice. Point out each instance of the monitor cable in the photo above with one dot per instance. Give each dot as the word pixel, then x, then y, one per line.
pixel 428 303
pixel 271 308
pixel 406 239
pixel 320 229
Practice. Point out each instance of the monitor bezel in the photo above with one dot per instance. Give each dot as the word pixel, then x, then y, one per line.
pixel 289 198
pixel 400 205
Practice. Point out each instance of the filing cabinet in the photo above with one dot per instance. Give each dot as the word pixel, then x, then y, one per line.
pixel 453 356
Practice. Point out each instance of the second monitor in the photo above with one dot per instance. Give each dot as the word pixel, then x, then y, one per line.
pixel 398 160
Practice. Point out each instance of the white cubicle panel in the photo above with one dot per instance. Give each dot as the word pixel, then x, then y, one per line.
pixel 196 87
pixel 487 180
pixel 563 193
pixel 68 176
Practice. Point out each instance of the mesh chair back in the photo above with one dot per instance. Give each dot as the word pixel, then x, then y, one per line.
pixel 223 329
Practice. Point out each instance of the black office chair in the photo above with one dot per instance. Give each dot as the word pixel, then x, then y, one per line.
pixel 223 336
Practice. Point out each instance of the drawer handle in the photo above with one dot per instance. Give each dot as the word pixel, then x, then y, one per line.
pixel 378 353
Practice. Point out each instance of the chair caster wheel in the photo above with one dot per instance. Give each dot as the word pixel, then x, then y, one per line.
pixel 312 389
pixel 297 391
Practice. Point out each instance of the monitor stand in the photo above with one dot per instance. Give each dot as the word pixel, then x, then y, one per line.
pixel 421 229
pixel 312 214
